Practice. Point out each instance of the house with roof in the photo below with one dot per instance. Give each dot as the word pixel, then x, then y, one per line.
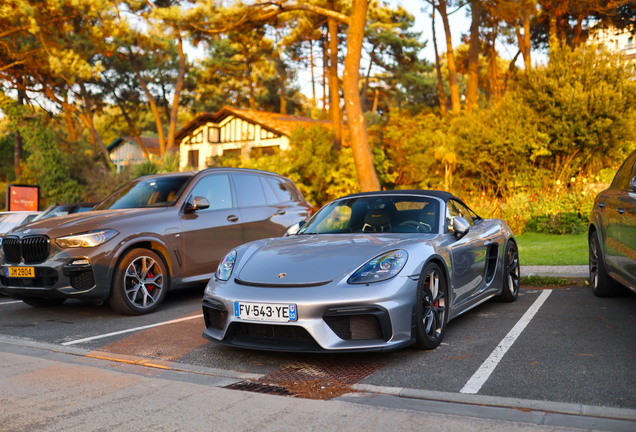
pixel 236 131
pixel 618 41
pixel 124 151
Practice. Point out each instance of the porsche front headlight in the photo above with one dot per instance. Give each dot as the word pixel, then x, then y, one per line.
pixel 87 239
pixel 380 268
pixel 224 271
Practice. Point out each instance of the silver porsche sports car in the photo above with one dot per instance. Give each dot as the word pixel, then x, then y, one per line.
pixel 368 272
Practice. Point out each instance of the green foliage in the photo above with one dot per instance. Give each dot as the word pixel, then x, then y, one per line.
pixel 543 281
pixel 560 223
pixel 148 167
pixel 7 169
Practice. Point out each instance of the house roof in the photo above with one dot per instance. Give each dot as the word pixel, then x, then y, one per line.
pixel 279 123
pixel 151 144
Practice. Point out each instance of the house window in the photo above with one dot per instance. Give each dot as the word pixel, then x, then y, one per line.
pixel 193 158
pixel 630 40
pixel 213 135
pixel 199 137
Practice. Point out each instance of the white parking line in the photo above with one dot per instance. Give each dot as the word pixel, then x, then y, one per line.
pixel 11 302
pixel 130 330
pixel 478 379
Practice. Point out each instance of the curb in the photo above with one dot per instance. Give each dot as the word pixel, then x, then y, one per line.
pixel 572 271
pixel 503 402
pixel 400 392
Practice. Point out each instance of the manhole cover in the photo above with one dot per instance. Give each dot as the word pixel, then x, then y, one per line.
pixel 260 388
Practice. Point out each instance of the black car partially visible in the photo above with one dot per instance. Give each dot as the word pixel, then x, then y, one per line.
pixel 60 209
pixel 612 234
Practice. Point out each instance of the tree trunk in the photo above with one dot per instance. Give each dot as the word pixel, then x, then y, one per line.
pixel 526 40
pixel 365 88
pixel 334 85
pixel 472 92
pixel 375 101
pixel 175 100
pixel 250 83
pixel 450 59
pixel 440 81
pixel 367 177
pixel 314 104
pixel 153 105
pixel 325 70
pixel 554 38
pixel 68 117
pixel 87 119
pixel 281 85
pixel 576 39
pixel 17 150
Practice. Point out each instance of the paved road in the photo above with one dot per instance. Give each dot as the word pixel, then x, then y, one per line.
pixel 576 349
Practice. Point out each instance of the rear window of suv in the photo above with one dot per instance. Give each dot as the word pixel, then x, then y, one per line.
pixel 146 192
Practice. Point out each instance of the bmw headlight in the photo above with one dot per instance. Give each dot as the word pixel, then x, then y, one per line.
pixel 224 271
pixel 380 268
pixel 87 239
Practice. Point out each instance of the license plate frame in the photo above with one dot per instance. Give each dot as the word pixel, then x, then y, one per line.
pixel 20 272
pixel 266 312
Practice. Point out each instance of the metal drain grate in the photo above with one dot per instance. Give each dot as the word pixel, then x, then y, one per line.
pixel 324 370
pixel 269 389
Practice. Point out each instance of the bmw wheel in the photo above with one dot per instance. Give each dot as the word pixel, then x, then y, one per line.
pixel 140 283
pixel 431 308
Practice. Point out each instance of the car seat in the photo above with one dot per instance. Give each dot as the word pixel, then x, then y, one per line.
pixel 377 220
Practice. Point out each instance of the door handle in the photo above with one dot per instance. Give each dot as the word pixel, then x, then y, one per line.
pixel 620 210
pixel 280 212
pixel 232 218
pixel 601 205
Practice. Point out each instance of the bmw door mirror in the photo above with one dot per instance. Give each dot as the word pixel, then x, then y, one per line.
pixel 198 203
pixel 293 230
pixel 460 227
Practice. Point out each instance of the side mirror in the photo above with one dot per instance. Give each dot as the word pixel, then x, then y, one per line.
pixel 460 227
pixel 198 203
pixel 632 184
pixel 293 230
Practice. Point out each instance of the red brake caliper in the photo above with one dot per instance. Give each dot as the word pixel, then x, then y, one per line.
pixel 149 275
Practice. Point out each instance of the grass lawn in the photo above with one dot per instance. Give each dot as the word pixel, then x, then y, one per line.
pixel 552 249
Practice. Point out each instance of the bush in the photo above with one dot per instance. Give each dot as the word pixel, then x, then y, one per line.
pixel 560 223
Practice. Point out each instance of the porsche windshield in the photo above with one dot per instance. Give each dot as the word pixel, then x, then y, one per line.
pixel 393 214
pixel 146 192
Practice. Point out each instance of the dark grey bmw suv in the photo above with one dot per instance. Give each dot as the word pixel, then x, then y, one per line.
pixel 155 233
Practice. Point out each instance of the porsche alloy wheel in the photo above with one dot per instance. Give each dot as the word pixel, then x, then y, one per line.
pixel 140 283
pixel 431 313
pixel 512 274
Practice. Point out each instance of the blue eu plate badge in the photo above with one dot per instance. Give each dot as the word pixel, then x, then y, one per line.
pixel 292 313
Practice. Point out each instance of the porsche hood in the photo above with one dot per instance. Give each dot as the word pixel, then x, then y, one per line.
pixel 312 259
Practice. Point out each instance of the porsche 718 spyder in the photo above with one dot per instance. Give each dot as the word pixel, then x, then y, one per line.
pixel 368 272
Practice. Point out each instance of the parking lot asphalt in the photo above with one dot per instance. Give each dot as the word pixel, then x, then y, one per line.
pixel 576 349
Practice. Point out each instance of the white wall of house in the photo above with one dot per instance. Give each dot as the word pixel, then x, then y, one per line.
pixel 615 40
pixel 232 134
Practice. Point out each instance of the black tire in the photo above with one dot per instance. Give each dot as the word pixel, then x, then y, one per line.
pixel 128 295
pixel 43 302
pixel 511 274
pixel 601 282
pixel 431 313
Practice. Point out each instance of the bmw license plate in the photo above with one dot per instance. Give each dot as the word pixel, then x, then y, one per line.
pixel 265 312
pixel 21 272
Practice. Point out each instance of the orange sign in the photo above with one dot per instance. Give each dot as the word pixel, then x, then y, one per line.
pixel 22 197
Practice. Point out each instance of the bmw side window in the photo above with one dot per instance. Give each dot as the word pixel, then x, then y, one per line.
pixel 249 191
pixel 216 189
pixel 281 191
pixel 624 174
pixel 270 196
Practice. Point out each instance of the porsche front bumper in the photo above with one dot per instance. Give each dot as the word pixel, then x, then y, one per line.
pixel 335 316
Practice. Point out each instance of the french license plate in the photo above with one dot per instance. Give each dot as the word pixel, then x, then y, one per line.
pixel 21 272
pixel 265 312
